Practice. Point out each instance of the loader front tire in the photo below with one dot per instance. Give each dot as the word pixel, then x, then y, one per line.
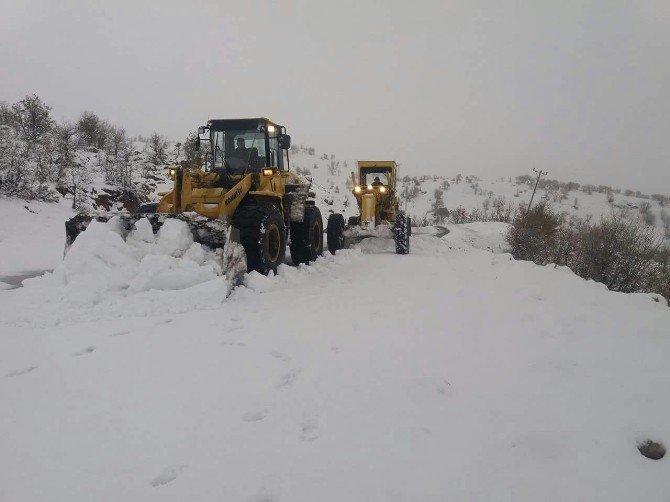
pixel 401 232
pixel 335 232
pixel 354 221
pixel 307 237
pixel 263 236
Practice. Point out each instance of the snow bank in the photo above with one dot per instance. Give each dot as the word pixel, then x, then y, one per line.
pixel 488 236
pixel 104 275
pixel 32 235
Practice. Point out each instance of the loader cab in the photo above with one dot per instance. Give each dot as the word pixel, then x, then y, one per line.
pixel 241 146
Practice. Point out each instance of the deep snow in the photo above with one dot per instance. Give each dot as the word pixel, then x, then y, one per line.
pixel 453 373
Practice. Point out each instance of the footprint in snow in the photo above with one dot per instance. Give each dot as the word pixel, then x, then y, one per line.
pixel 265 497
pixel 21 371
pixel 168 475
pixel 164 321
pixel 287 379
pixel 428 386
pixel 121 333
pixel 255 415
pixel 309 428
pixel 280 355
pixel 85 351
pixel 231 342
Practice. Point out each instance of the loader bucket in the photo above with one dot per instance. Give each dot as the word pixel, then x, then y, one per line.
pixel 209 232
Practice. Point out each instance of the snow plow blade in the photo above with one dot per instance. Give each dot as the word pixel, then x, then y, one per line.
pixel 209 232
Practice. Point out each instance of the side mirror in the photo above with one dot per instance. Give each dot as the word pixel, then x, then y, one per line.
pixel 196 145
pixel 284 141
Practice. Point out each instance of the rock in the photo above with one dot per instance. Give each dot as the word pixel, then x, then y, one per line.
pixel 652 449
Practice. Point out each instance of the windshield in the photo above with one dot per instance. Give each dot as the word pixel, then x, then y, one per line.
pixel 239 150
pixel 378 176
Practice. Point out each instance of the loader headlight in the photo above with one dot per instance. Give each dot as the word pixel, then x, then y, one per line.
pixel 172 173
pixel 369 187
pixel 357 189
pixel 382 189
pixel 267 172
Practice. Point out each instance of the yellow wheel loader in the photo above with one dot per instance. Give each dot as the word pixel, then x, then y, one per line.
pixel 243 192
pixel 375 192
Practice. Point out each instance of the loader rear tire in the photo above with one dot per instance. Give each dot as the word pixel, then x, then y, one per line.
pixel 307 237
pixel 401 232
pixel 354 221
pixel 263 236
pixel 335 232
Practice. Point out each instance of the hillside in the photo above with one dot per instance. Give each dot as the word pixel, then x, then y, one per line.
pixel 477 198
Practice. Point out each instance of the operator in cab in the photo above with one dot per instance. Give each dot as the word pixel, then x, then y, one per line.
pixel 241 151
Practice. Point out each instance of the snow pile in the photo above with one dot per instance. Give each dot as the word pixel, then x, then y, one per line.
pixel 100 262
pixel 103 274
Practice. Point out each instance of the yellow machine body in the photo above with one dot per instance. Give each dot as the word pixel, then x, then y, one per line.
pixel 193 192
pixel 377 201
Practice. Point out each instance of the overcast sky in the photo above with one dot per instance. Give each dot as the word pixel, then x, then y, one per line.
pixel 578 88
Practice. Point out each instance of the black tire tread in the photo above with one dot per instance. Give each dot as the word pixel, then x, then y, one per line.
pixel 335 232
pixel 250 219
pixel 301 248
pixel 401 232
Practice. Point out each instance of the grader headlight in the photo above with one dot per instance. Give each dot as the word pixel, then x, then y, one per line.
pixel 172 173
pixel 357 189
pixel 382 189
pixel 369 187
pixel 267 172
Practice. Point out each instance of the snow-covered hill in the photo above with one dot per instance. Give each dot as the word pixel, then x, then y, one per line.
pixel 477 199
pixel 452 373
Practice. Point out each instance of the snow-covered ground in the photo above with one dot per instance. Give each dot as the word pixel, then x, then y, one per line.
pixel 452 373
pixel 32 235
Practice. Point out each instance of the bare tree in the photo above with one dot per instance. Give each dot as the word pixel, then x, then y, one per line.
pixel 32 118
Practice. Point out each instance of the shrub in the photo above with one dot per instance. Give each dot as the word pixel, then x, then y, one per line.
pixel 533 233
pixel 619 252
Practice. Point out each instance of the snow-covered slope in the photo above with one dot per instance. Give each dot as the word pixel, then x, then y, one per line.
pixel 452 373
pixel 477 197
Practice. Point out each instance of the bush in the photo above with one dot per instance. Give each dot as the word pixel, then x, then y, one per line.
pixel 619 252
pixel 533 233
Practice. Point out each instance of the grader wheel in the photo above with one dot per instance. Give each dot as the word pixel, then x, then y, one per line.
pixel 401 233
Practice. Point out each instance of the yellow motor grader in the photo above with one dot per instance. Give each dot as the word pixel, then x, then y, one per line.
pixel 244 192
pixel 375 192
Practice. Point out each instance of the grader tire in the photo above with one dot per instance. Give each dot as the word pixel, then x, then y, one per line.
pixel 307 237
pixel 335 232
pixel 353 221
pixel 263 236
pixel 401 232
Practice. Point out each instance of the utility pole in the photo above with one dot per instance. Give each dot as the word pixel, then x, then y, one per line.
pixel 539 174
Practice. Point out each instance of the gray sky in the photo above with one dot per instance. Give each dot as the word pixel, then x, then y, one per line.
pixel 578 88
